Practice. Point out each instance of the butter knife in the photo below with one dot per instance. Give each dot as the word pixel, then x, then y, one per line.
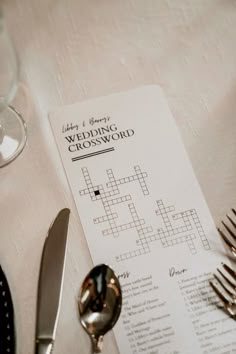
pixel 7 332
pixel 50 283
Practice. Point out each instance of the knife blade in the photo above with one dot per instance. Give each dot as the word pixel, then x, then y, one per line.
pixel 51 282
pixel 7 331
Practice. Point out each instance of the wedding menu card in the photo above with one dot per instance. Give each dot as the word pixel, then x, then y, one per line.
pixel 143 213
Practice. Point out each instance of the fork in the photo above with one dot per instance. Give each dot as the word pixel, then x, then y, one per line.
pixel 225 289
pixel 225 286
pixel 230 240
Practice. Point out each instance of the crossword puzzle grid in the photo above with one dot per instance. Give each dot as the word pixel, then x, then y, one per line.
pixel 168 236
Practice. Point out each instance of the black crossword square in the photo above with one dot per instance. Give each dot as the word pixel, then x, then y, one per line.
pixel 97 192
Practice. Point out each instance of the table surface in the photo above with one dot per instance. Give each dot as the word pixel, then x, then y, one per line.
pixel 74 50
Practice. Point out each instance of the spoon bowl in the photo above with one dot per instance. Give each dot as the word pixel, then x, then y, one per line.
pixel 99 303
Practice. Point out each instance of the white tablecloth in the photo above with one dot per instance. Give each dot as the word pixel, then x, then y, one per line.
pixel 74 50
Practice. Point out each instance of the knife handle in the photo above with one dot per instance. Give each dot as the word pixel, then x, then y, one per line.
pixel 44 347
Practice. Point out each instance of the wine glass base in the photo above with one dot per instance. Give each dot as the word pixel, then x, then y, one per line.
pixel 12 135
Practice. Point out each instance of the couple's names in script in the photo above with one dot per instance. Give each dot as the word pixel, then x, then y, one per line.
pixel 91 121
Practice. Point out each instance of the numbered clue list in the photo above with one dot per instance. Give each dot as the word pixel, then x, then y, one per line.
pixel 142 212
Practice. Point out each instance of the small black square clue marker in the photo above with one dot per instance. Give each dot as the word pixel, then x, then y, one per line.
pixel 96 192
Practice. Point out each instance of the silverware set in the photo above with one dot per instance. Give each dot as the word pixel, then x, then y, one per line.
pixel 100 298
pixel 224 284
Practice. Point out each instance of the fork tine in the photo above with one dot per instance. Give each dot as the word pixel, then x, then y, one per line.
pixel 228 229
pixel 226 279
pixel 232 295
pixel 232 222
pixel 219 294
pixel 228 242
pixel 230 271
pixel 234 211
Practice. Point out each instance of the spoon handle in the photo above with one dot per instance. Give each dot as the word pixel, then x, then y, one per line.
pixel 97 344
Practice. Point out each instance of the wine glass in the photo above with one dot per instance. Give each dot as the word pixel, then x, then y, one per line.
pixel 12 126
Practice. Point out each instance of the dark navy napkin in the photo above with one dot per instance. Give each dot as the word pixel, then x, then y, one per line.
pixel 7 333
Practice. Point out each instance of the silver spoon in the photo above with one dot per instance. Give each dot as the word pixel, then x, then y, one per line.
pixel 99 303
